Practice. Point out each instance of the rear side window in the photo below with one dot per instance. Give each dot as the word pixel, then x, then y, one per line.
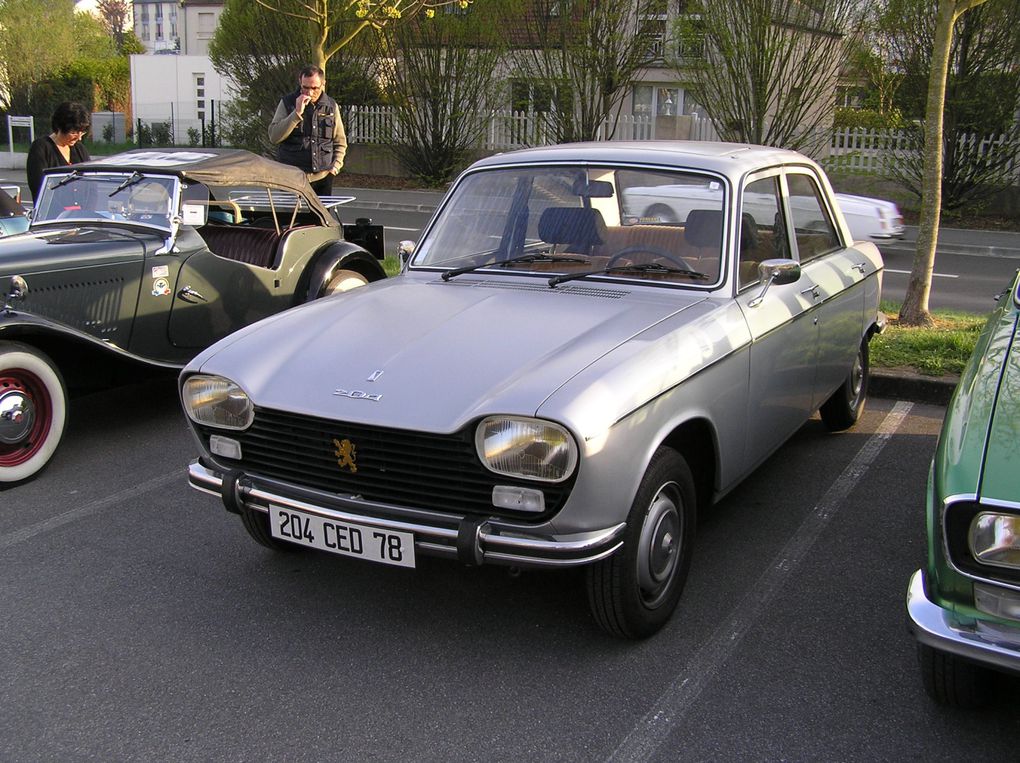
pixel 813 227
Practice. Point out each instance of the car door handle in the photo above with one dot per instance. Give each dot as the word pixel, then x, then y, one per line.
pixel 860 267
pixel 190 295
pixel 812 290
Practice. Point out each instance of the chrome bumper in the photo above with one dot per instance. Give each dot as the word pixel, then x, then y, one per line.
pixel 936 627
pixel 472 540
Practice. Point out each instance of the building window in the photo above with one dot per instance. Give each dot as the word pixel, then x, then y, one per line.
pixel 206 26
pixel 663 101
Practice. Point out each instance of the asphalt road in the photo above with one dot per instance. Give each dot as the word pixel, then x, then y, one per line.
pixel 141 623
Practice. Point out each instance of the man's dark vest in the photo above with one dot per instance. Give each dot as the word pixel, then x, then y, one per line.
pixel 310 144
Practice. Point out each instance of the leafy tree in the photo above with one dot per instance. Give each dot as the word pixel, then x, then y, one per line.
pixel 115 14
pixel 442 81
pixel 262 51
pixel 35 37
pixel 337 23
pixel 771 66
pixel 914 311
pixel 576 59
pixel 982 90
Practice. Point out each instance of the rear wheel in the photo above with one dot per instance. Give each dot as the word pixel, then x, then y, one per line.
pixel 633 593
pixel 33 411
pixel 845 406
pixel 343 280
pixel 950 680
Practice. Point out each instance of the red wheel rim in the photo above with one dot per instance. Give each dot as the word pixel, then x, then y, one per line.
pixel 14 380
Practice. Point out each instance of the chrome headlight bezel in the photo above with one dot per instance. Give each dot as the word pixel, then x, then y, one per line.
pixel 526 448
pixel 216 401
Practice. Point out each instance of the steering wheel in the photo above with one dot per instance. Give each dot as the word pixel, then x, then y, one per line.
pixel 655 251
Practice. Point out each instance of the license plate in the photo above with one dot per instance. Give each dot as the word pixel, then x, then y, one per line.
pixel 346 538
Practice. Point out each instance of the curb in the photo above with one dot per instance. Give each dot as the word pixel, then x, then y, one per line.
pixel 916 388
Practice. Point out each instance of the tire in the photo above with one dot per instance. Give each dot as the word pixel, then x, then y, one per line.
pixel 257 525
pixel 33 411
pixel 633 593
pixel 341 281
pixel 950 680
pixel 662 212
pixel 845 406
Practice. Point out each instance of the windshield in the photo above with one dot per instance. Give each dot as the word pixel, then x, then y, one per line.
pixel 104 197
pixel 653 225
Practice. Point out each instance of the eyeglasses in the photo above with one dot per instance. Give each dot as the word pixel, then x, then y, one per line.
pixel 310 88
pixel 77 132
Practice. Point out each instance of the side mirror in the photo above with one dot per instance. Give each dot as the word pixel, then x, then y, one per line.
pixel 404 251
pixel 778 272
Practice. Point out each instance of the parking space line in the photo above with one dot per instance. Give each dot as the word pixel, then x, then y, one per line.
pixel 666 714
pixel 93 507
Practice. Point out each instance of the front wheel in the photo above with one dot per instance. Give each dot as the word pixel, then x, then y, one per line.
pixel 950 680
pixel 33 411
pixel 257 525
pixel 633 593
pixel 845 406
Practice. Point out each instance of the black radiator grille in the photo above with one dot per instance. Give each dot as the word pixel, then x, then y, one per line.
pixel 395 466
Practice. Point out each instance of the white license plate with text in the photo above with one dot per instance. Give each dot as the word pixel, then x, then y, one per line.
pixel 345 538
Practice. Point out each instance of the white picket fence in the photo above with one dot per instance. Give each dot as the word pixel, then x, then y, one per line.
pixel 876 152
pixel 860 151
pixel 505 130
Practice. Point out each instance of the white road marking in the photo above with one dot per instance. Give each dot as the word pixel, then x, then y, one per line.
pixel 654 729
pixel 93 507
pixel 907 273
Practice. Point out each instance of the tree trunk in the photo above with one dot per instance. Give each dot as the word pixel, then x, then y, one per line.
pixel 915 304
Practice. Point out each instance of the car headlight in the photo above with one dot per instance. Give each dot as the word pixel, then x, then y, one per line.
pixel 528 448
pixel 217 402
pixel 995 539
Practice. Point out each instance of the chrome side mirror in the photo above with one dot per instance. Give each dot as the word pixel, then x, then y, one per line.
pixel 17 292
pixel 775 272
pixel 404 251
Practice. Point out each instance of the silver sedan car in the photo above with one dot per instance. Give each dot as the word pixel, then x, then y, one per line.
pixel 556 378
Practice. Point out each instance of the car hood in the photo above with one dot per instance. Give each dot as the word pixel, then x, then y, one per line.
pixel 432 355
pixel 978 448
pixel 1002 455
pixel 61 248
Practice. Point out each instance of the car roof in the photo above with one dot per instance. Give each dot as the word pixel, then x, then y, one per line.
pixel 731 159
pixel 212 166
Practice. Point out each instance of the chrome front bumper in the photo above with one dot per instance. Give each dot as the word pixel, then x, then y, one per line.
pixel 938 628
pixel 472 540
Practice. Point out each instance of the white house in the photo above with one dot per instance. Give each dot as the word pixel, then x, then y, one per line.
pixel 183 91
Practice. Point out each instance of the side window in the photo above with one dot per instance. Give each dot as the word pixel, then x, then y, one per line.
pixel 815 232
pixel 762 235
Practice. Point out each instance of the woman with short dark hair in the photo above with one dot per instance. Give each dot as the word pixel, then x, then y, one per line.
pixel 61 147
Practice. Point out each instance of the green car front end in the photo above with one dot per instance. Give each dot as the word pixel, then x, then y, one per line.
pixel 964 606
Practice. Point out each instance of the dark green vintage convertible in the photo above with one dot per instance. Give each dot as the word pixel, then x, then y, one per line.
pixel 140 260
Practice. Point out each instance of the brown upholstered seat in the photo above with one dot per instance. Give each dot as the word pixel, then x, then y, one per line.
pixel 255 246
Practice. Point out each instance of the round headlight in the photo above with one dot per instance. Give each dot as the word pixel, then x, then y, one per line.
pixel 528 448
pixel 995 539
pixel 217 402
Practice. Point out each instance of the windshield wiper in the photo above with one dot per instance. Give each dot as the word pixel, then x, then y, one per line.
pixel 512 261
pixel 136 177
pixel 648 267
pixel 75 175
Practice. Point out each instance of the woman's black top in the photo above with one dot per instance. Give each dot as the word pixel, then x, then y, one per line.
pixel 43 154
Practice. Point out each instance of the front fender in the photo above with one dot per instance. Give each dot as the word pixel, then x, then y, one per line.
pixel 82 359
pixel 342 255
